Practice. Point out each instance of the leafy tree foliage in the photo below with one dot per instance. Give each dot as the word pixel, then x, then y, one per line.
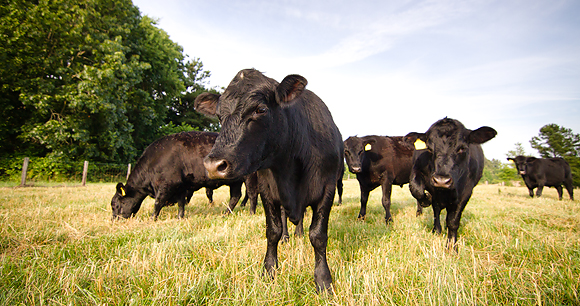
pixel 89 79
pixel 556 141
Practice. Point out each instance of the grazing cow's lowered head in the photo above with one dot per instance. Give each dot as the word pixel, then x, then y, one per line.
pixel 448 143
pixel 124 203
pixel 521 162
pixel 354 148
pixel 247 110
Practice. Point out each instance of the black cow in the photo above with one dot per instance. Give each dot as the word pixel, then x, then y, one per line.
pixel 170 170
pixel 287 134
pixel 445 173
pixel 379 161
pixel 540 172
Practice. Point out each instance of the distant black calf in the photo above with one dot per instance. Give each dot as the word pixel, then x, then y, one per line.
pixel 379 161
pixel 287 134
pixel 540 172
pixel 445 173
pixel 170 170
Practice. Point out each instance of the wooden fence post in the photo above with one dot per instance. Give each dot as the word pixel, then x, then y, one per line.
pixel 24 169
pixel 128 172
pixel 85 170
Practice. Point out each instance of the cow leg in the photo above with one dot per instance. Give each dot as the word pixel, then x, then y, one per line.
pixel 419 210
pixel 339 187
pixel 364 198
pixel 531 191
pixel 417 188
pixel 387 188
pixel 285 234
pixel 319 238
pixel 157 208
pixel 436 219
pixel 181 208
pixel 209 194
pixel 235 195
pixel 570 189
pixel 452 222
pixel 560 192
pixel 539 190
pixel 273 234
pixel 299 231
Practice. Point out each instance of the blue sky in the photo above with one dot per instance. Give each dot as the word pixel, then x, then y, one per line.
pixel 393 67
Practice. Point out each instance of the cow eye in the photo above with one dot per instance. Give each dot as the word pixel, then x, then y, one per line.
pixel 261 109
pixel 461 150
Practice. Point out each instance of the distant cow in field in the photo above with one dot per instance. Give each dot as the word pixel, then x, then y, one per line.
pixel 170 170
pixel 287 134
pixel 540 172
pixel 445 173
pixel 379 161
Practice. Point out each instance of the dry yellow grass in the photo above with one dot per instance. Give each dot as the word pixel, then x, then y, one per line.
pixel 59 246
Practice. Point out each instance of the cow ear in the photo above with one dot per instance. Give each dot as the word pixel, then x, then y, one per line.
pixel 121 189
pixel 290 88
pixel 206 103
pixel 481 135
pixel 509 158
pixel 412 137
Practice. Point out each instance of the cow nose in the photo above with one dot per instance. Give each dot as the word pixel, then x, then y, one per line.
pixel 355 169
pixel 441 181
pixel 216 169
pixel 523 172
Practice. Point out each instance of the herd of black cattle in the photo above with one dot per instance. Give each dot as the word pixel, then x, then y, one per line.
pixel 281 141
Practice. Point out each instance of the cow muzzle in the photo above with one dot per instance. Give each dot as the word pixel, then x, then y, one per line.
pixel 216 169
pixel 441 181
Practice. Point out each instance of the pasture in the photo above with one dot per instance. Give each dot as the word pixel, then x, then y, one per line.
pixel 58 246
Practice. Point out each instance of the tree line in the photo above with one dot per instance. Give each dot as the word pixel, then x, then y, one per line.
pixel 92 80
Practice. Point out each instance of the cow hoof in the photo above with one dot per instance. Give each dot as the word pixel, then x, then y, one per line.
pixel 361 218
pixel 419 212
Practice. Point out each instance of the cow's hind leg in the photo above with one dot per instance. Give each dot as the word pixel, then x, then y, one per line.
pixel 387 188
pixel 319 238
pixel 560 191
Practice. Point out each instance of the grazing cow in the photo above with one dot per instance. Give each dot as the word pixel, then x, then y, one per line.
pixel 170 170
pixel 379 161
pixel 445 173
pixel 540 172
pixel 287 134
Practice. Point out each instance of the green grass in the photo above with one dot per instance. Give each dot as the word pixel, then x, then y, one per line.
pixel 58 246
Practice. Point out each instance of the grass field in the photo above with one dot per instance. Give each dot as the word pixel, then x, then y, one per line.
pixel 58 246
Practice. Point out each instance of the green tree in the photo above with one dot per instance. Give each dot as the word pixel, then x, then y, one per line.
pixel 556 141
pixel 89 79
pixel 517 151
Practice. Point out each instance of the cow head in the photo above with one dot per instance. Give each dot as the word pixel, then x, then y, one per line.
pixel 521 163
pixel 448 144
pixel 124 202
pixel 250 112
pixel 354 150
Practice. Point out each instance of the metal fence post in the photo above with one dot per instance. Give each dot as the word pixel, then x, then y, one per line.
pixel 85 170
pixel 24 169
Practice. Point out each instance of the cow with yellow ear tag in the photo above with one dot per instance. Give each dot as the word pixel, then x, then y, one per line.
pixel 379 161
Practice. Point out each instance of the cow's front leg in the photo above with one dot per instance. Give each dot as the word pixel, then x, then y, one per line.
pixel 364 198
pixel 452 222
pixel 209 194
pixel 273 235
pixel 531 191
pixel 419 209
pixel 156 209
pixel 181 208
pixel 436 219
pixel 319 239
pixel 235 195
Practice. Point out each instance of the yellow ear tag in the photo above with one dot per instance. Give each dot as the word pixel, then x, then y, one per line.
pixel 420 145
pixel 122 191
pixel 368 147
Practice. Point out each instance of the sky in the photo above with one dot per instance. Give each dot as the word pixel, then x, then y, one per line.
pixel 394 67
